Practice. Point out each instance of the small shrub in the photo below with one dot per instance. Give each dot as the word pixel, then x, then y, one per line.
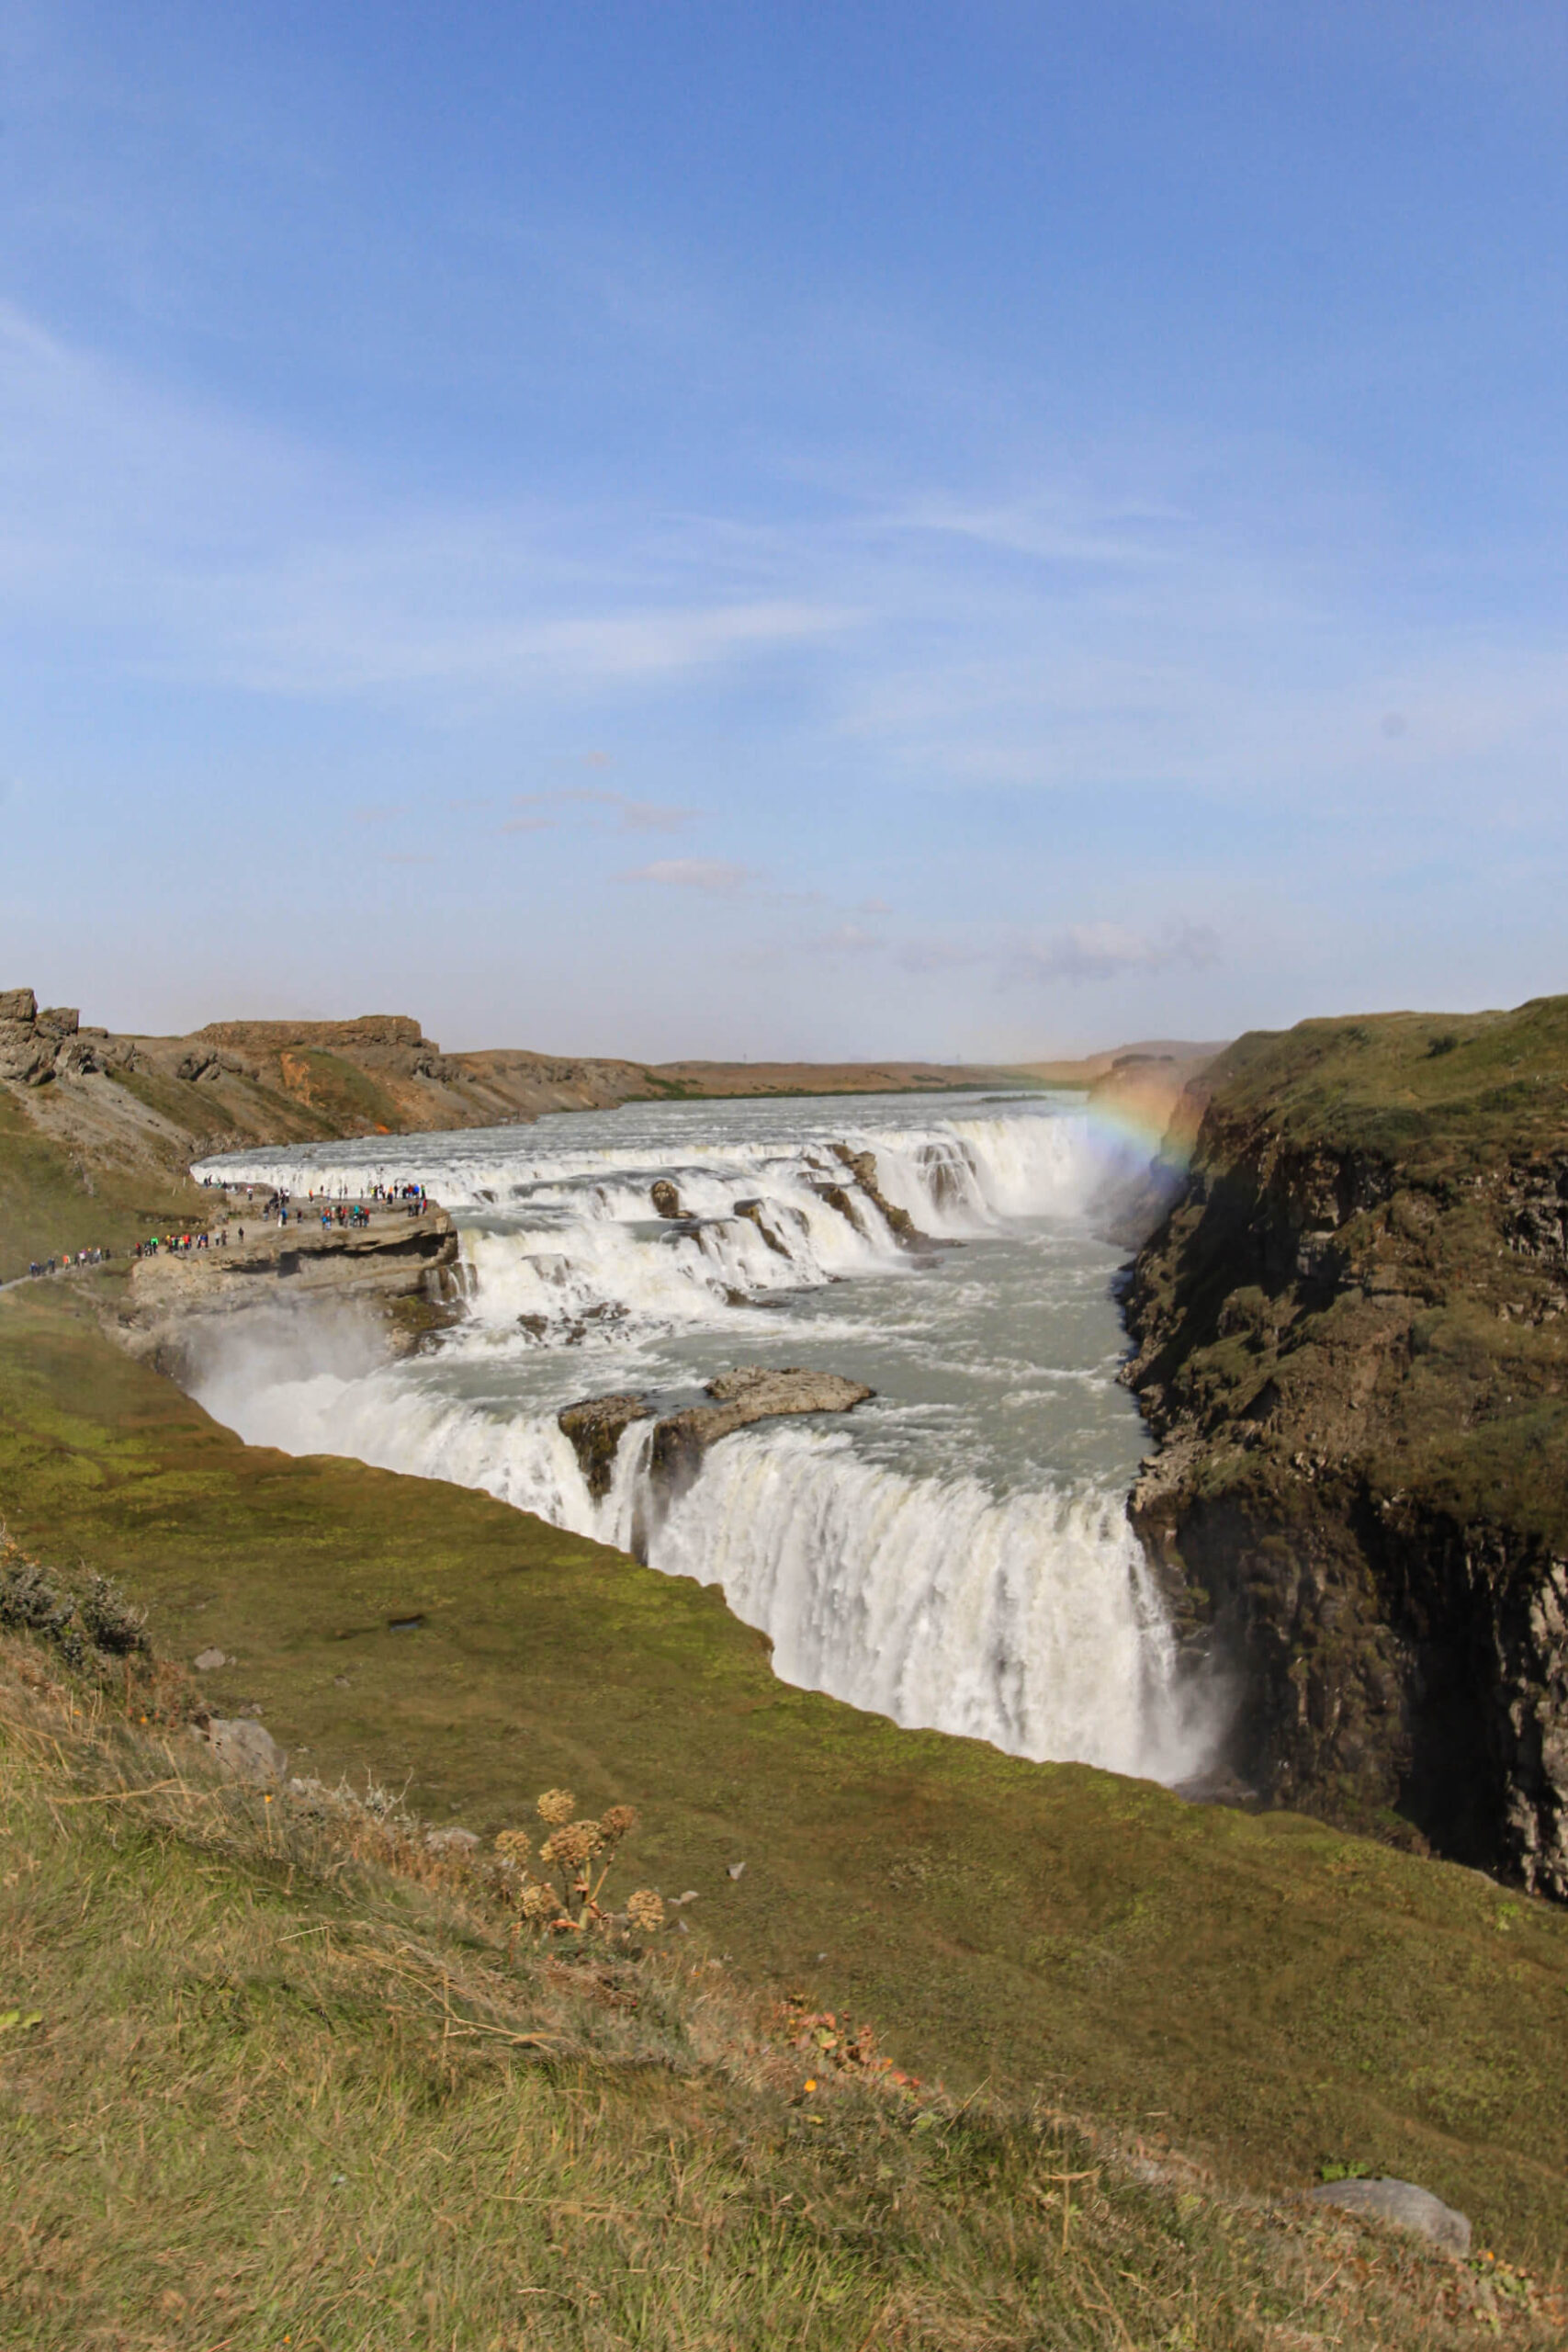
pixel 562 1896
pixel 108 1620
pixel 97 1620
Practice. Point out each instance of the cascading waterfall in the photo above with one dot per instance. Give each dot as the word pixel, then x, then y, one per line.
pixel 955 1556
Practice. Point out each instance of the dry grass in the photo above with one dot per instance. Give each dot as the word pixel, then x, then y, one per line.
pixel 295 2082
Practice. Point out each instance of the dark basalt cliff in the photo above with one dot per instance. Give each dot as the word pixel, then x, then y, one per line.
pixel 1350 1340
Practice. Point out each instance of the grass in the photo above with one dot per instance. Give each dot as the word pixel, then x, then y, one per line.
pixel 51 1201
pixel 1271 1992
pixel 1433 1353
pixel 276 2078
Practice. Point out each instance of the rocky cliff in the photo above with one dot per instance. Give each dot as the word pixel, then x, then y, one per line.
pixel 1349 1341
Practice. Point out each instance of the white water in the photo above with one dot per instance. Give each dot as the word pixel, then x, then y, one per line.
pixel 955 1554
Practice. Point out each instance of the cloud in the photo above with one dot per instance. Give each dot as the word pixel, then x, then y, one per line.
pixel 630 816
pixel 846 939
pixel 1082 952
pixel 712 873
pixel 1106 951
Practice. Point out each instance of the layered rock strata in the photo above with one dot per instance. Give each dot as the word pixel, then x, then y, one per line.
pixel 1350 1343
pixel 402 1268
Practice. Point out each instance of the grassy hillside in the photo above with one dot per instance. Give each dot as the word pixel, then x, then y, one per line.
pixel 1262 1988
pixel 270 2076
pixel 1391 1082
pixel 52 1199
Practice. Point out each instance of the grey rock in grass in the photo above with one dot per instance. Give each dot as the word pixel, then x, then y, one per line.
pixel 208 1661
pixel 1400 2201
pixel 450 1841
pixel 245 1746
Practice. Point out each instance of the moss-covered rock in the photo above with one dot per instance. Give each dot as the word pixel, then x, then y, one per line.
pixel 1350 1340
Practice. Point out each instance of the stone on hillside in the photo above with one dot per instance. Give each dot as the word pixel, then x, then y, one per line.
pixel 1401 2202
pixel 18 1004
pixel 208 1661
pixel 245 1746
pixel 24 1052
pixel 450 1841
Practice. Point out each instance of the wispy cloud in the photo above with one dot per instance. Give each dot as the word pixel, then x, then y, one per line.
pixel 715 874
pixel 1107 951
pixel 1081 952
pixel 617 811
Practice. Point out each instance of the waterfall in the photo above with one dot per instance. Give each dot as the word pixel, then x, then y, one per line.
pixel 956 1555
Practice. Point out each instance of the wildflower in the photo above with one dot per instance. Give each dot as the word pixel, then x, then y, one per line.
pixel 645 1910
pixel 617 1822
pixel 557 1805
pixel 570 1847
pixel 539 1902
pixel 811 2083
pixel 514 1846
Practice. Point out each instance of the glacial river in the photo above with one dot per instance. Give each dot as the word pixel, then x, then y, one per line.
pixel 955 1554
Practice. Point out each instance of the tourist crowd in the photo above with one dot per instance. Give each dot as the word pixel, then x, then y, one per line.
pixel 412 1199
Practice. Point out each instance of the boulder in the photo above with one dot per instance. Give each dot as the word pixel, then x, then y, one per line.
pixel 19 1005
pixel 750 1393
pixel 25 1053
pixel 193 1065
pixel 1401 2202
pixel 666 1199
pixel 208 1661
pixel 596 1427
pixel 59 1020
pixel 244 1747
pixel 450 1841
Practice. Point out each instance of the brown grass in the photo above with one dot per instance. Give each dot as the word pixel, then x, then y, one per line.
pixel 293 2083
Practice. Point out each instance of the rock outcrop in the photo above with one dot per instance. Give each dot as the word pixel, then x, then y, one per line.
pixel 34 1044
pixel 862 1166
pixel 1349 1341
pixel 596 1427
pixel 749 1394
pixel 402 1268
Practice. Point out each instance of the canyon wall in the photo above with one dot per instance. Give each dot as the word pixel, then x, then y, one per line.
pixel 1348 1338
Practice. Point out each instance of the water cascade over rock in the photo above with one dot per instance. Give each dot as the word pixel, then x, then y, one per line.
pixel 926 1514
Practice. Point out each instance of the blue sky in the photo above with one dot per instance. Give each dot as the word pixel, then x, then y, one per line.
pixel 840 529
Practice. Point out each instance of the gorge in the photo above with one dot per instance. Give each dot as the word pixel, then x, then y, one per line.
pixel 954 1552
